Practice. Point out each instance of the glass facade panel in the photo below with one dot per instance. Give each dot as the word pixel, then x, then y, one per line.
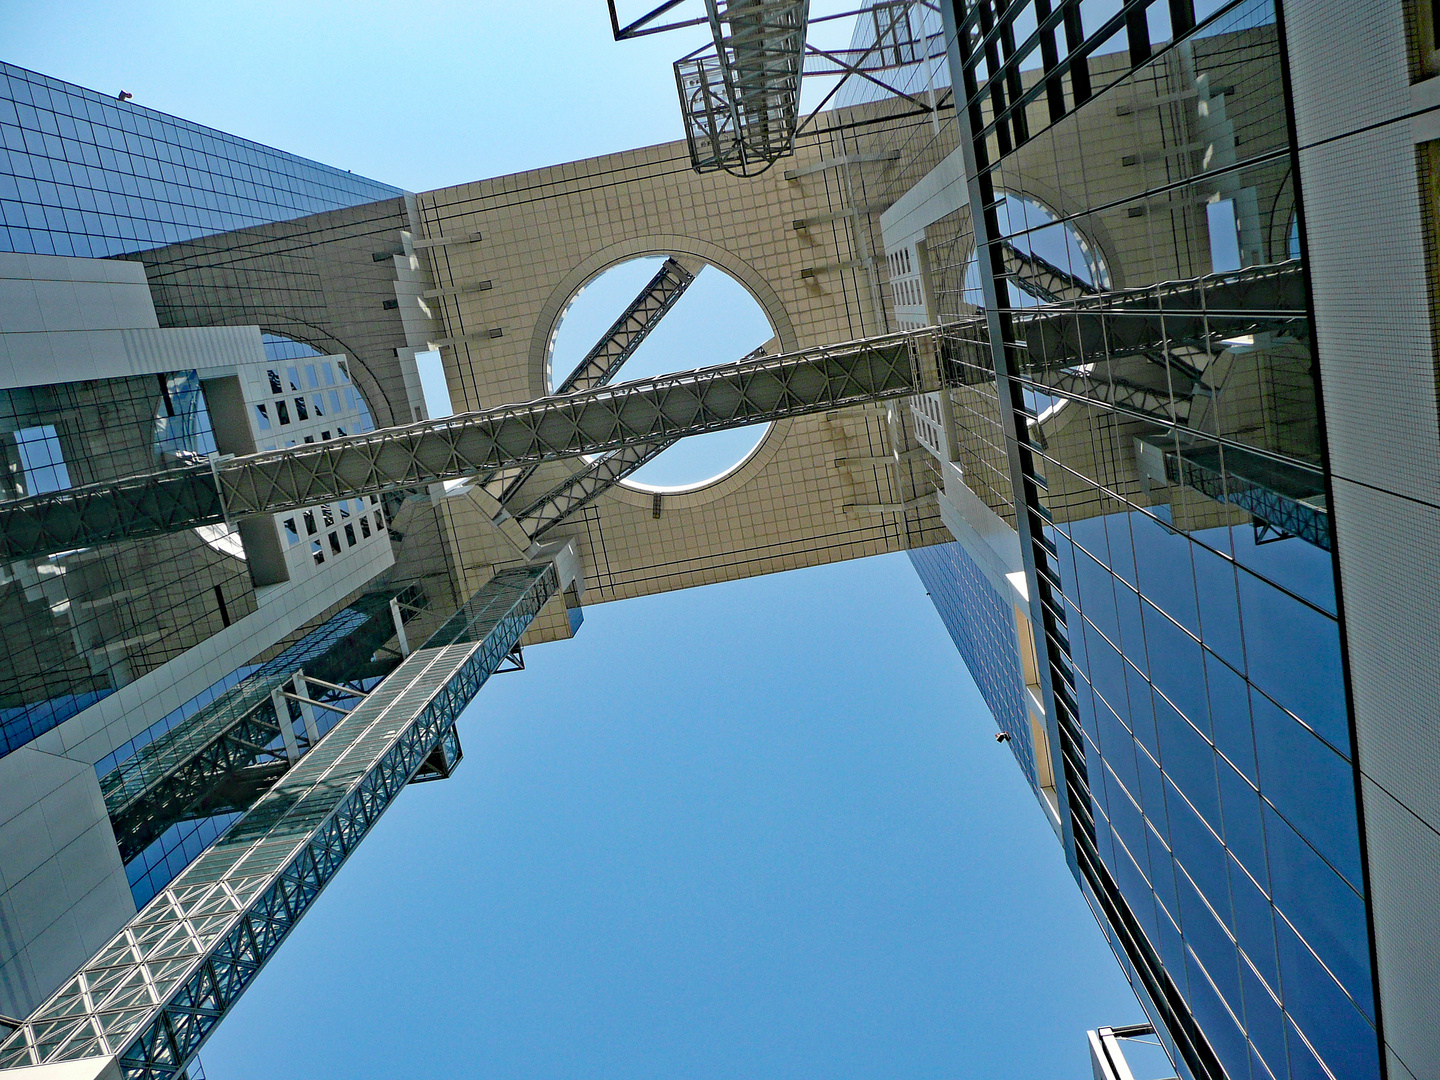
pixel 982 625
pixel 1168 431
pixel 84 174
pixel 79 624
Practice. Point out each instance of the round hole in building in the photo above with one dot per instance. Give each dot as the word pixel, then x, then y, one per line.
pixel 714 321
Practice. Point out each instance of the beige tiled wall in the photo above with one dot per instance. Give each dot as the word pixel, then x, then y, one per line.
pixel 545 233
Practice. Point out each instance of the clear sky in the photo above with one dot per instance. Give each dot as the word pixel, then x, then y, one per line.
pixel 754 830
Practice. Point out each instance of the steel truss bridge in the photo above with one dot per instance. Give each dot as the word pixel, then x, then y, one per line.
pixel 155 991
pixel 1070 348
pixel 617 417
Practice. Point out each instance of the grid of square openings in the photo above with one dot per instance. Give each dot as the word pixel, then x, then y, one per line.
pixel 335 527
pixel 305 384
pixel 84 174
pixel 306 387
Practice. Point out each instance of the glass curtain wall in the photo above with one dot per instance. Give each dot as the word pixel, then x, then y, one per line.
pixel 1164 431
pixel 82 173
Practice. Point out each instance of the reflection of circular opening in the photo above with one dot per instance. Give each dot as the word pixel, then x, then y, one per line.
pixel 716 321
pixel 1034 230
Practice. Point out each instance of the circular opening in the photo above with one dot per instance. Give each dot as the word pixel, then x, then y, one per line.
pixel 715 321
pixel 1034 231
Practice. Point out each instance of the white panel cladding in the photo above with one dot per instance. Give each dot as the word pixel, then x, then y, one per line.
pixel 1375 345
pixel 69 320
pixel 53 292
pixel 63 891
pixel 306 400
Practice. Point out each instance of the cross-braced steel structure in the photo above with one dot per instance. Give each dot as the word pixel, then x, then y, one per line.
pixel 153 994
pixel 741 105
pixel 238 743
pixel 469 444
pixel 601 363
pixel 598 476
pixel 740 96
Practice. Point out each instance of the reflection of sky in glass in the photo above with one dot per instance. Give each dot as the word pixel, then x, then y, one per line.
pixel 40 459
pixel 900 60
pixel 182 422
pixel 714 322
pixel 1217 750
pixel 88 175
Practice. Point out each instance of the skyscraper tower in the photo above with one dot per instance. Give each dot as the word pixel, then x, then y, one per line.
pixel 1166 469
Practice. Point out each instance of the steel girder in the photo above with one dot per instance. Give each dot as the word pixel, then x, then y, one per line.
pixel 469 444
pixel 607 418
pixel 628 332
pixel 625 336
pixel 598 476
pixel 1041 278
pixel 1288 497
pixel 741 106
pixel 1120 393
pixel 580 490
pixel 155 991
pixel 148 505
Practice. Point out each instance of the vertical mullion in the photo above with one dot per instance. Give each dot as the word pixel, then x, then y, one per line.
pixel 1018 122
pixel 1080 65
pixel 1050 60
pixel 1137 34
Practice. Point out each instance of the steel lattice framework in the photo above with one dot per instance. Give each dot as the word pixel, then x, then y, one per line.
pixel 581 489
pixel 1041 278
pixel 741 105
pixel 153 994
pixel 626 335
pixel 1286 497
pixel 598 476
pixel 629 331
pixel 470 444
pixel 1199 311
pixel 238 736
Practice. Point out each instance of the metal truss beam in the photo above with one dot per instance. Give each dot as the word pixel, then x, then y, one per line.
pixel 607 418
pixel 155 991
pixel 741 104
pixel 469 444
pixel 1287 497
pixel 630 330
pixel 620 342
pixel 647 23
pixel 598 476
pixel 1121 393
pixel 1042 279
pixel 580 490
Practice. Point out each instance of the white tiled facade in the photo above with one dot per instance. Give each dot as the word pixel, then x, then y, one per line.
pixel 305 400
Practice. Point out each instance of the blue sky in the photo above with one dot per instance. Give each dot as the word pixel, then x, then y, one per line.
pixel 754 830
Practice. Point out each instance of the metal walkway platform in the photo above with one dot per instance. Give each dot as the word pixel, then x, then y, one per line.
pixel 152 995
pixel 470 444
